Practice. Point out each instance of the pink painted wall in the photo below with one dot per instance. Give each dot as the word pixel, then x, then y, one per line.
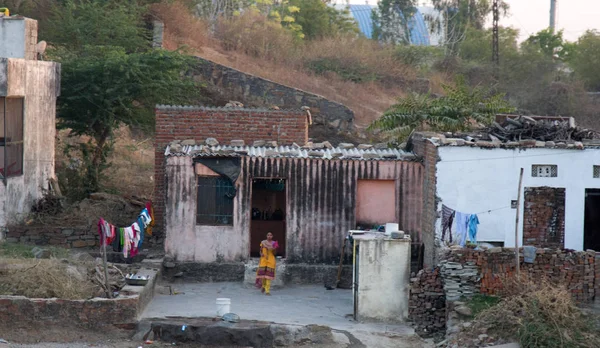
pixel 376 202
pixel 320 206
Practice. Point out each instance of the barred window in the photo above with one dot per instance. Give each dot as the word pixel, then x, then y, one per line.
pixel 215 201
pixel 11 137
pixel 596 171
pixel 544 171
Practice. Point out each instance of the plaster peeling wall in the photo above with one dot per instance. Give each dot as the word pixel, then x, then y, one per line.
pixel 321 206
pixel 475 180
pixel 383 285
pixel 39 83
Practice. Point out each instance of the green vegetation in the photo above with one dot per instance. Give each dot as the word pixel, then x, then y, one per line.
pixel 25 251
pixel 457 110
pixel 479 303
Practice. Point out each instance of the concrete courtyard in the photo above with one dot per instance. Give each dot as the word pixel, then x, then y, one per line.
pixel 292 305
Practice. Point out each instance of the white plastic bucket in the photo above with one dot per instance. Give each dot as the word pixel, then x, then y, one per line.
pixel 223 306
pixel 390 227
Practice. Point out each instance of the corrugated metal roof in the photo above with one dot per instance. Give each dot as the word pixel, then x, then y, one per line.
pixel 362 14
pixel 290 151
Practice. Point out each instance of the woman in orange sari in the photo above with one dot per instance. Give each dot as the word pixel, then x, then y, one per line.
pixel 266 267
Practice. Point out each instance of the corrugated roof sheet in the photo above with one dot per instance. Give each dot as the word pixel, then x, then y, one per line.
pixel 289 151
pixel 419 32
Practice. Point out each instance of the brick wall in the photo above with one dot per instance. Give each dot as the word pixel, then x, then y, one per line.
pixel 544 217
pixel 576 270
pixel 199 123
pixel 428 151
pixel 465 272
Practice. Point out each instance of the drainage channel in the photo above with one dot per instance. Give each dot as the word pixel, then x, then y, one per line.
pixel 209 332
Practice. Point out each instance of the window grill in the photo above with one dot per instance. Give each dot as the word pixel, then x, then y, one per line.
pixel 215 201
pixel 596 171
pixel 544 171
pixel 11 137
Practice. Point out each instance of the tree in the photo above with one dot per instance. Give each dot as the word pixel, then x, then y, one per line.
pixel 110 75
pixel 390 20
pixel 319 20
pixel 585 59
pixel 459 15
pixel 76 24
pixel 104 88
pixel 458 110
pixel 477 45
pixel 550 44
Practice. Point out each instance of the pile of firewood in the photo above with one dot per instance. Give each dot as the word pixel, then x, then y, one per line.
pixel 527 128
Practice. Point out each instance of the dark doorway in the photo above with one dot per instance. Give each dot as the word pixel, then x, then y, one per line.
pixel 268 214
pixel 591 227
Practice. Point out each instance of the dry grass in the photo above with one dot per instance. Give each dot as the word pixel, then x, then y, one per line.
pixel 44 278
pixel 251 45
pixel 537 315
pixel 131 171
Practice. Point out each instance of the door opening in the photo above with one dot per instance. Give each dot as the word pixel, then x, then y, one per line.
pixel 591 227
pixel 268 214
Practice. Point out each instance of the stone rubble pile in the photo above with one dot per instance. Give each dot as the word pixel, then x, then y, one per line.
pixel 427 304
pixel 460 279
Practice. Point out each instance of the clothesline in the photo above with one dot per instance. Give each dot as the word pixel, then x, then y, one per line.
pixel 129 238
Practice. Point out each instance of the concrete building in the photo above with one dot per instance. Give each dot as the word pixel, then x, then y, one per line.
pixel 219 201
pixel 381 277
pixel 560 194
pixel 28 92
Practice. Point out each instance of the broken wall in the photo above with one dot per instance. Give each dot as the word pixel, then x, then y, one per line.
pixel 39 84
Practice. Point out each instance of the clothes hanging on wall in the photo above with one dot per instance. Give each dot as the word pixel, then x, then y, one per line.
pixel 462 222
pixel 447 220
pixel 473 222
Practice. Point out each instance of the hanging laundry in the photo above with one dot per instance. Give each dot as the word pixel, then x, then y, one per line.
pixel 145 215
pixel 150 208
pixel 447 219
pixel 142 231
pixel 473 222
pixel 462 222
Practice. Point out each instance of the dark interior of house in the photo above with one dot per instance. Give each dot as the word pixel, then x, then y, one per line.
pixel 268 214
pixel 591 239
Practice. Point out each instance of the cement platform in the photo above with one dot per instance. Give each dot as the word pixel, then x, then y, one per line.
pixel 296 305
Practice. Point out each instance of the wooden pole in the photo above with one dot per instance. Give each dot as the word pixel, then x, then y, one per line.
pixel 517 226
pixel 106 280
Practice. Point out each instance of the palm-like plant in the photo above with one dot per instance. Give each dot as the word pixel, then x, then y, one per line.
pixel 460 109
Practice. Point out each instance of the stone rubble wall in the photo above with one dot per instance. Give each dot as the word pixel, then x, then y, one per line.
pixel 55 236
pixel 427 303
pixel 236 85
pixel 465 272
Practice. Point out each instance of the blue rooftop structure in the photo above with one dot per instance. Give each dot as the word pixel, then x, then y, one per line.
pixel 419 33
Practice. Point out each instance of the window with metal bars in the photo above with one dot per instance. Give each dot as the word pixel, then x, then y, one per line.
pixel 215 201
pixel 11 137
pixel 596 171
pixel 544 171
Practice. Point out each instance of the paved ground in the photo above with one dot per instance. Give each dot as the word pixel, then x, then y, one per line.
pixel 302 305
pixel 295 305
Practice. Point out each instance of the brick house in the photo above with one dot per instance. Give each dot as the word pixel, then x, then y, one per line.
pixel 560 195
pixel 218 197
pixel 28 92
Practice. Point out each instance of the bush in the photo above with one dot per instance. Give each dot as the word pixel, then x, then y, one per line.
pixel 421 57
pixel 255 35
pixel 356 59
pixel 537 315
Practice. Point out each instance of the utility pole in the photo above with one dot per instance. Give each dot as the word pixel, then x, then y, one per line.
pixel 495 50
pixel 552 15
